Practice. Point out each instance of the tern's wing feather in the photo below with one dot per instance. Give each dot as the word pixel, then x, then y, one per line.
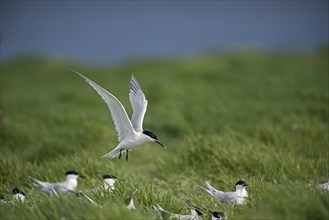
pixel 118 112
pixel 43 186
pixel 229 196
pixel 138 103
pixel 39 184
pixel 215 192
pixel 36 181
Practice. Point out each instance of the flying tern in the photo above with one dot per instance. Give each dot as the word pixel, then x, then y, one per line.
pixel 18 194
pixel 195 213
pixel 236 198
pixel 130 132
pixel 70 184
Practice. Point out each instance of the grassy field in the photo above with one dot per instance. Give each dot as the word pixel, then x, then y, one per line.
pixel 223 117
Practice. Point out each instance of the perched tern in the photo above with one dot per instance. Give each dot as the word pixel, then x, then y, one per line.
pixel 130 201
pixel 130 132
pixel 195 214
pixel 324 186
pixel 108 184
pixel 70 184
pixel 18 194
pixel 236 198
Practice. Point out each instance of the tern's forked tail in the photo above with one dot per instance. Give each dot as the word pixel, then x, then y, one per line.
pixel 114 153
pixel 211 190
pixel 37 183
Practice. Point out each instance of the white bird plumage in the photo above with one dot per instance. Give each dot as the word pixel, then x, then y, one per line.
pixel 18 195
pixel 130 201
pixel 130 133
pixel 323 186
pixel 195 215
pixel 70 184
pixel 138 103
pixel 236 198
pixel 108 184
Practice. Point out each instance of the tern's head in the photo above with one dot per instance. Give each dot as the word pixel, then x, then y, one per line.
pixel 73 175
pixel 17 191
pixel 109 181
pixel 217 215
pixel 196 212
pixel 107 176
pixel 153 137
pixel 240 184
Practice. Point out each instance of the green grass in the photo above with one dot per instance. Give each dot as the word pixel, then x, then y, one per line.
pixel 223 117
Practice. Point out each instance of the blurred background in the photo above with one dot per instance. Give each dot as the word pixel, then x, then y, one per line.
pixel 111 31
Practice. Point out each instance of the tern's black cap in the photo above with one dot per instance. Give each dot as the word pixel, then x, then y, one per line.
pixel 199 212
pixel 241 182
pixel 72 172
pixel 109 176
pixel 17 191
pixel 150 134
pixel 217 214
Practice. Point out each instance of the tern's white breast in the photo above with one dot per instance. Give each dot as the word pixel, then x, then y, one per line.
pixel 134 141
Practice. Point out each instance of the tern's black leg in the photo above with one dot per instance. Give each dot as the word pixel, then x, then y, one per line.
pixel 120 154
pixel 127 155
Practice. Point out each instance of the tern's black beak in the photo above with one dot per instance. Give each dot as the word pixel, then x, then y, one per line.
pixel 82 176
pixel 158 142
